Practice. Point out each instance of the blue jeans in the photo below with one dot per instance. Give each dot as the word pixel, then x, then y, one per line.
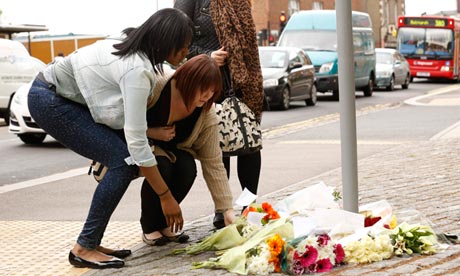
pixel 72 125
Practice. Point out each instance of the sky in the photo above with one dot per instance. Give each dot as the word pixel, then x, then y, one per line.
pixel 417 7
pixel 110 17
pixel 106 17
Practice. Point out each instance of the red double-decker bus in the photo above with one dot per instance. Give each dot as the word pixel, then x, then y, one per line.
pixel 431 45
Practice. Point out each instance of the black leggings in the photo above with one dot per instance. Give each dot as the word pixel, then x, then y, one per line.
pixel 248 167
pixel 179 177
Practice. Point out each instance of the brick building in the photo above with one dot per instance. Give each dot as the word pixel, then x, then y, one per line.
pixel 383 13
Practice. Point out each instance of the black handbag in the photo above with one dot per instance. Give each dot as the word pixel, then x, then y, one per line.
pixel 239 130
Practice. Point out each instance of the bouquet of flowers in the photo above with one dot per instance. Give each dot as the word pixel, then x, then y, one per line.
pixel 262 208
pixel 230 236
pixel 253 254
pixel 413 238
pixel 313 253
pixel 369 249
pixel 265 258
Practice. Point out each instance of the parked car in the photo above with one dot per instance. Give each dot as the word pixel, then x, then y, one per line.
pixel 288 76
pixel 392 69
pixel 17 68
pixel 21 123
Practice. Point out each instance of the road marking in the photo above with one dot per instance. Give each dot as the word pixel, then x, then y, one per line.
pixel 452 131
pixel 337 142
pixel 454 102
pixel 43 180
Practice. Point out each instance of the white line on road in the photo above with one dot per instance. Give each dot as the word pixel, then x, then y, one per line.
pixel 43 180
pixel 415 100
pixel 337 142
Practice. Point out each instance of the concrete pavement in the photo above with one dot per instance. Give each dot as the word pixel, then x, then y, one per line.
pixel 419 175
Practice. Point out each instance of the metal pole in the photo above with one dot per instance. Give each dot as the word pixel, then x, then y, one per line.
pixel 347 106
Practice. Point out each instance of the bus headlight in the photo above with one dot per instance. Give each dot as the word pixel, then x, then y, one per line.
pixel 270 82
pixel 326 67
pixel 445 69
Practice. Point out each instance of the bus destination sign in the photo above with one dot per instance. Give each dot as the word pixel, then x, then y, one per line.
pixel 426 22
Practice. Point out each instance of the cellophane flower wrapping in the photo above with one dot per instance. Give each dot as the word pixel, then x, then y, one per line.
pixel 312 254
pixel 307 199
pixel 230 236
pixel 236 259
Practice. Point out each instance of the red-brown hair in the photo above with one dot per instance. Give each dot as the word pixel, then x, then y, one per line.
pixel 198 74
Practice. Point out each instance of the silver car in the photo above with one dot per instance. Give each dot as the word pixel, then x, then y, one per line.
pixel 392 69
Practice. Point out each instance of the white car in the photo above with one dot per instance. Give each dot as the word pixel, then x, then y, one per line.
pixel 17 68
pixel 21 123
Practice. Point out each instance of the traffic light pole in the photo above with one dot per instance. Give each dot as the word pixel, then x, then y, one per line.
pixel 347 106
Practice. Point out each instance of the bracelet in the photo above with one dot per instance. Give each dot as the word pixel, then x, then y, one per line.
pixel 163 193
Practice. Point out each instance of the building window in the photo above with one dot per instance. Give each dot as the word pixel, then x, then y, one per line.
pixel 317 5
pixel 293 7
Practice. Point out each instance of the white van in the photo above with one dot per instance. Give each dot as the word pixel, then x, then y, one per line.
pixel 17 67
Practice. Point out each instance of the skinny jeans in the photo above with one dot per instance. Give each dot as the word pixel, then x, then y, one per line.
pixel 179 176
pixel 71 124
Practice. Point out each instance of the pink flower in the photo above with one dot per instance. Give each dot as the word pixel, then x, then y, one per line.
pixel 309 256
pixel 339 253
pixel 323 265
pixel 323 239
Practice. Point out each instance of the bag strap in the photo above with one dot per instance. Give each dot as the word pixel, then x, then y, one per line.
pixel 229 92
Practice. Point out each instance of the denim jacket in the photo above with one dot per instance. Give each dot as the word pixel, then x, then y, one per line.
pixel 114 89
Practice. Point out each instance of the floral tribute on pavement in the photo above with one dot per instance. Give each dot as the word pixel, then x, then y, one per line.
pixel 308 232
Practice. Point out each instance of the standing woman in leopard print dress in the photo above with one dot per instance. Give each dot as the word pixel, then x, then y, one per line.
pixel 225 30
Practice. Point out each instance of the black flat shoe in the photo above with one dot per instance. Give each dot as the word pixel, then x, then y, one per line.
pixel 219 221
pixel 155 242
pixel 181 238
pixel 79 262
pixel 123 253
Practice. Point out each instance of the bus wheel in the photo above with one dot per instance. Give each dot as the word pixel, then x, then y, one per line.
pixel 405 85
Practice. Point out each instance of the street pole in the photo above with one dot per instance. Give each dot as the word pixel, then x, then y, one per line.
pixel 347 106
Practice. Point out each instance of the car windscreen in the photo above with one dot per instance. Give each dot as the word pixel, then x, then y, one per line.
pixel 310 40
pixel 272 59
pixel 433 43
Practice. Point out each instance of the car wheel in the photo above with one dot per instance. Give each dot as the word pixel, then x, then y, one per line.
pixel 335 95
pixel 313 96
pixel 32 138
pixel 369 88
pixel 405 85
pixel 391 86
pixel 285 99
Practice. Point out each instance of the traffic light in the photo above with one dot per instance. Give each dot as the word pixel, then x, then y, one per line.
pixel 283 21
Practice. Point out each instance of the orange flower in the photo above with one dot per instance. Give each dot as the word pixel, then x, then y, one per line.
pixel 276 244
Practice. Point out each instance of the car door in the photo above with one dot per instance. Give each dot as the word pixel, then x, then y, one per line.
pixel 309 72
pixel 295 74
pixel 398 69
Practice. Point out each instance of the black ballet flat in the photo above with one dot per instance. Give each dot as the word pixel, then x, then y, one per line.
pixel 123 253
pixel 181 238
pixel 218 221
pixel 79 262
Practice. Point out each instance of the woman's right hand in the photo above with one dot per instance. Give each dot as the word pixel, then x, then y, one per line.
pixel 172 212
pixel 166 133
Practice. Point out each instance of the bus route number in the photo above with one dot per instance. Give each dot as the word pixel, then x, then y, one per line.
pixel 440 23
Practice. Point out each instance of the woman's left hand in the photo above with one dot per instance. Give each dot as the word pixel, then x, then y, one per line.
pixel 229 216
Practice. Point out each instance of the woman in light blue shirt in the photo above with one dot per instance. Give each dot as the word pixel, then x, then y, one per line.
pixel 94 102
